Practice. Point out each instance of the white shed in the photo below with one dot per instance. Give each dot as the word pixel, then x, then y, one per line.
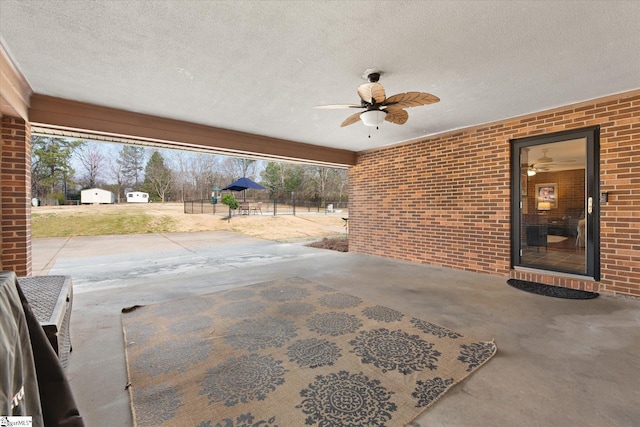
pixel 97 196
pixel 137 197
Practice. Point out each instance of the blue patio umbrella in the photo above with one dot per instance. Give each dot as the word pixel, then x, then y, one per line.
pixel 242 184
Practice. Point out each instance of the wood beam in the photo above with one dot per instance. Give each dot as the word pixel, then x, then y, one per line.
pixel 74 116
pixel 14 89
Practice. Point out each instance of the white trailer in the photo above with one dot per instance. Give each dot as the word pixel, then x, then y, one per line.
pixel 96 196
pixel 137 197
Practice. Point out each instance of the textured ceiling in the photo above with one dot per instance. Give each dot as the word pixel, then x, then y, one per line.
pixel 261 66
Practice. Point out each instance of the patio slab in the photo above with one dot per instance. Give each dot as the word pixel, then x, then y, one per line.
pixel 559 362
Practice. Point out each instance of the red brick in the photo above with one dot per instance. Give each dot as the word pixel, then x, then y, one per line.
pixel 15 211
pixel 427 201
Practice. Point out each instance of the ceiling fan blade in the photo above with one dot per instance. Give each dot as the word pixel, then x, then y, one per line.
pixel 351 120
pixel 536 167
pixel 410 99
pixel 337 106
pixel 398 116
pixel 373 93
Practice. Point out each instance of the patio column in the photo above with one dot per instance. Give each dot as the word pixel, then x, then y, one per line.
pixel 15 191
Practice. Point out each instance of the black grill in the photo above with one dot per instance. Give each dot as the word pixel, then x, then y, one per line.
pixel 50 299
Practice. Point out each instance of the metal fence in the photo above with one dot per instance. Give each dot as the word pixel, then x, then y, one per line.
pixel 203 207
pixel 267 207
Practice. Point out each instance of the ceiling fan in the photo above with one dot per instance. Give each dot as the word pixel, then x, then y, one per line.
pixel 549 160
pixel 533 169
pixel 544 158
pixel 378 108
pixel 546 163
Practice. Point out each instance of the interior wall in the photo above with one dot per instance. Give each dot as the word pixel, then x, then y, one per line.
pixel 445 200
pixel 570 197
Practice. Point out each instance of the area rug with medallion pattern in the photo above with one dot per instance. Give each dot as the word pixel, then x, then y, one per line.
pixel 288 353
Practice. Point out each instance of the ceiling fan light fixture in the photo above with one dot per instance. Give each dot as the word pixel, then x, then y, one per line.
pixel 373 117
pixel 531 171
pixel 378 107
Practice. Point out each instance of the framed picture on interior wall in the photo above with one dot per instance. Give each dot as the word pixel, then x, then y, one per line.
pixel 524 184
pixel 546 196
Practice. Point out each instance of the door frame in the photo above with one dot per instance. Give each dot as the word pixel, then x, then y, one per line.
pixel 592 183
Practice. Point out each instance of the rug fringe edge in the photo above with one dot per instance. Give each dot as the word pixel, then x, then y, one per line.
pixel 129 385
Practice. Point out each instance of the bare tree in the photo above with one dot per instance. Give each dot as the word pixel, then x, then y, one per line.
pixel 236 167
pixel 247 166
pixel 325 185
pixel 120 180
pixel 340 184
pixel 320 177
pixel 204 174
pixel 194 174
pixel 92 159
pixel 177 162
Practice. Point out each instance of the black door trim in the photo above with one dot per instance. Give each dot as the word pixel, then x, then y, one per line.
pixel 592 136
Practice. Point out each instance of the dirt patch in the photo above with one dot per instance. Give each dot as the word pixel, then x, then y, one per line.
pixel 340 244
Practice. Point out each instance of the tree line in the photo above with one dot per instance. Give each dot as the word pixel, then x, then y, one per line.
pixel 61 168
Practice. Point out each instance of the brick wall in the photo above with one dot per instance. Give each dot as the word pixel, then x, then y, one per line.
pixel 445 200
pixel 15 208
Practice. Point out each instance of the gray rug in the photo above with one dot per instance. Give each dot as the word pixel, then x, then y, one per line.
pixel 289 353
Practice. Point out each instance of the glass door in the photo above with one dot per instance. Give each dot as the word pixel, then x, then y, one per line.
pixel 554 203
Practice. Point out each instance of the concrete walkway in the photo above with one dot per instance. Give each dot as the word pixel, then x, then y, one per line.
pixel 559 362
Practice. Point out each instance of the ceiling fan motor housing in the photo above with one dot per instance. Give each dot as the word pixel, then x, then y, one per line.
pixel 373 77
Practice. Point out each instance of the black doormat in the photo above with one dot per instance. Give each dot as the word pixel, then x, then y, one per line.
pixel 551 291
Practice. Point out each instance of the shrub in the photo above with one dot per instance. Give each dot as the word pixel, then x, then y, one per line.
pixel 230 201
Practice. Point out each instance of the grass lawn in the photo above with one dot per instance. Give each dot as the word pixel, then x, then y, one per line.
pixel 87 224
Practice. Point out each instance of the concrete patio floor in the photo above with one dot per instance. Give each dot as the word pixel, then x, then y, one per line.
pixel 559 362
